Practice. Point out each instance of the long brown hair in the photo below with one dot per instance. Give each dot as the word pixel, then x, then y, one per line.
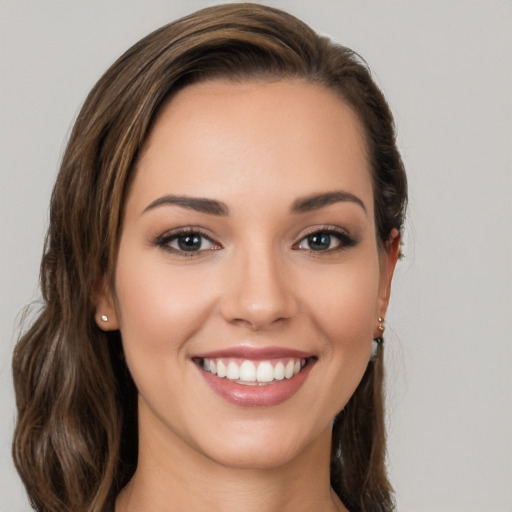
pixel 75 444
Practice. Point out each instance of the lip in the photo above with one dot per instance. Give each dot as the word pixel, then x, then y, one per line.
pixel 255 354
pixel 267 395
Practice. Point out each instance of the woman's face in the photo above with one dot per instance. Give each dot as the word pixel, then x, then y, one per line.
pixel 248 280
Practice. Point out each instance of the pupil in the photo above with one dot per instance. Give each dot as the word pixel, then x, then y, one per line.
pixel 189 243
pixel 319 241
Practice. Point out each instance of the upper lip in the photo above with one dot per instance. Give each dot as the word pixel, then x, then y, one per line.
pixel 255 353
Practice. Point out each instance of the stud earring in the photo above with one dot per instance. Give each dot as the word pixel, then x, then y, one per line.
pixel 381 326
pixel 104 318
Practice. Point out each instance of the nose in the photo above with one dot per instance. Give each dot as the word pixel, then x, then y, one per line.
pixel 259 292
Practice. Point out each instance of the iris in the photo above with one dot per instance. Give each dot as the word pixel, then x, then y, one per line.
pixel 319 241
pixel 190 242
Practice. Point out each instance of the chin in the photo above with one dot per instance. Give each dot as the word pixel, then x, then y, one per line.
pixel 265 447
pixel 255 457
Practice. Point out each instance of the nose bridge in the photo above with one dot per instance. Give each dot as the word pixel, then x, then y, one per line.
pixel 259 292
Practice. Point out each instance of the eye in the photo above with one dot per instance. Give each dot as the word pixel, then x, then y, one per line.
pixel 187 242
pixel 325 240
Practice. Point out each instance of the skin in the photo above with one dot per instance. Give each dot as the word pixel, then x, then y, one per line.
pixel 258 147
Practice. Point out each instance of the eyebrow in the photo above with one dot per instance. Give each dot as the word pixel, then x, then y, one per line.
pixel 199 204
pixel 214 207
pixel 317 201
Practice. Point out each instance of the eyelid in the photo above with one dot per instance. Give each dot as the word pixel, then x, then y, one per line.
pixel 324 228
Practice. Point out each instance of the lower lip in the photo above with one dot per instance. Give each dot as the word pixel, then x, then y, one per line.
pixel 256 396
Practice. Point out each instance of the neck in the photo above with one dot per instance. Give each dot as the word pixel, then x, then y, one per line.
pixel 174 477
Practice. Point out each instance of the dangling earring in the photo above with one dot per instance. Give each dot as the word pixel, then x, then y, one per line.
pixel 376 343
pixel 378 340
pixel 381 326
pixel 104 318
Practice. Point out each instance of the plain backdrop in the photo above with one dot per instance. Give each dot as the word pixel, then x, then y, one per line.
pixel 446 69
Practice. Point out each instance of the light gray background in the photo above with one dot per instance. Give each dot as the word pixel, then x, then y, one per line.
pixel 446 68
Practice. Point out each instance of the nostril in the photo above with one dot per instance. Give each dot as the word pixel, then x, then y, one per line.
pixel 258 295
pixel 258 322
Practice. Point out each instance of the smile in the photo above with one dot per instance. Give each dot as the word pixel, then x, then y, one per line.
pixel 253 373
pixel 255 377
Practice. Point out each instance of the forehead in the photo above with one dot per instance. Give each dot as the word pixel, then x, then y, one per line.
pixel 221 137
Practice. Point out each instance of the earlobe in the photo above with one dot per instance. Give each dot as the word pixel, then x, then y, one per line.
pixel 105 313
pixel 389 258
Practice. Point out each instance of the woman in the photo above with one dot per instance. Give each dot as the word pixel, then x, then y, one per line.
pixel 223 234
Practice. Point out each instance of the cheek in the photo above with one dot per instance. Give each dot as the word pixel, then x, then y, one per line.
pixel 342 307
pixel 159 306
pixel 346 303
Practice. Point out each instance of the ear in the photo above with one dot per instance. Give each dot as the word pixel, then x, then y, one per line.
pixel 388 258
pixel 105 313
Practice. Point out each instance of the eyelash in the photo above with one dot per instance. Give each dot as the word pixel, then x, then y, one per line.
pixel 164 241
pixel 345 240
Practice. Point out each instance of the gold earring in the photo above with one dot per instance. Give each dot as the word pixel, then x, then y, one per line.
pixel 381 324
pixel 104 318
pixel 378 340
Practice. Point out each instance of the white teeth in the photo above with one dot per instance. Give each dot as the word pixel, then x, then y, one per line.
pixel 279 371
pixel 233 371
pixel 221 369
pixel 288 371
pixel 252 371
pixel 248 371
pixel 265 372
